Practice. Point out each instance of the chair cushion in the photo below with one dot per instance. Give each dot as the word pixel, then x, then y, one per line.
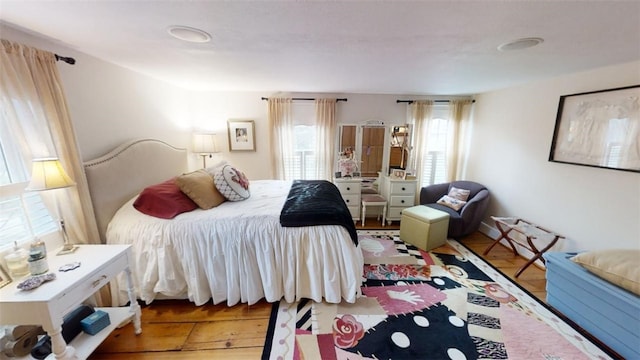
pixel 373 198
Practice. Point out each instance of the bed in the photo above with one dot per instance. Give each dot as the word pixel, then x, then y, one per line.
pixel 237 252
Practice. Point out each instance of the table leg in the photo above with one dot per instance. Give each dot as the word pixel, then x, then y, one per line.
pixel 384 214
pixel 134 307
pixel 364 213
pixel 59 348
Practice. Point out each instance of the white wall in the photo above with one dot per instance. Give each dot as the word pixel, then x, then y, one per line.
pixel 512 131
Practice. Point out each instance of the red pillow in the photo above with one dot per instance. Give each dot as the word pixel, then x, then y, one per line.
pixel 164 200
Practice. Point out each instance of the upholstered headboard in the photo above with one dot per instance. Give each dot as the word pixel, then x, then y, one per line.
pixel 120 174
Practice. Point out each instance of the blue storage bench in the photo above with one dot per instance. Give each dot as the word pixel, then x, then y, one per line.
pixel 606 311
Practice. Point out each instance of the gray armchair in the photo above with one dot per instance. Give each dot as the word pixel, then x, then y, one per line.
pixel 468 218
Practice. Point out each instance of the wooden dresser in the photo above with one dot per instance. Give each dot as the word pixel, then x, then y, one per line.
pixel 400 194
pixel 350 189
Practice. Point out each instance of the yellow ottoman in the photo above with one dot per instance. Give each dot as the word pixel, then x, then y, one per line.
pixel 424 227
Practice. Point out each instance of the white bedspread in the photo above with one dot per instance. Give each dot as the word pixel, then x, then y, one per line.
pixel 236 252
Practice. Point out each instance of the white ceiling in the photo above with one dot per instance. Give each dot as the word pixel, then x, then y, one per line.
pixel 426 47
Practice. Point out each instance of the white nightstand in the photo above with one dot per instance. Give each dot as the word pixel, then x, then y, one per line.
pixel 49 303
pixel 400 194
pixel 350 189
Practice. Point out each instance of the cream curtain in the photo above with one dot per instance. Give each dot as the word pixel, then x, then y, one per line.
pixel 281 135
pixel 40 119
pixel 459 114
pixel 326 129
pixel 419 117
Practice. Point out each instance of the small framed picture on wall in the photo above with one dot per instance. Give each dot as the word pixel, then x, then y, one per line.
pixel 241 135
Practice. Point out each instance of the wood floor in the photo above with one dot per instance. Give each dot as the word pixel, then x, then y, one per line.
pixel 179 330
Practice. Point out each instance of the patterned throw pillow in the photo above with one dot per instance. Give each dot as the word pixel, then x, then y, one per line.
pixel 212 170
pixel 232 183
pixel 460 194
pixel 453 203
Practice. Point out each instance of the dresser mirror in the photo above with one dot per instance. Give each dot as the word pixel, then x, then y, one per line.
pixel 399 150
pixel 375 148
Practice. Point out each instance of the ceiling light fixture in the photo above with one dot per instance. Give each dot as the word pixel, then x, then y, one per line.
pixel 189 34
pixel 520 44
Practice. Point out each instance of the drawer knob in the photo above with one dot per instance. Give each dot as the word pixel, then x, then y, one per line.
pixel 347 200
pixel 348 188
pixel 402 201
pixel 403 189
pixel 97 282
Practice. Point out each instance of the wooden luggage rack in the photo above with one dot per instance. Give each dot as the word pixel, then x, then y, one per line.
pixel 530 232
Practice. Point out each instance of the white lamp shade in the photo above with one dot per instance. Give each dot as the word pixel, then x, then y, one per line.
pixel 48 174
pixel 204 143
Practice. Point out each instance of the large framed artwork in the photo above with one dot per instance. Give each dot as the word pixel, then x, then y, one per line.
pixel 241 135
pixel 599 129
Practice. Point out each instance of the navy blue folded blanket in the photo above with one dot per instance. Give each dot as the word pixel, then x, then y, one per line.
pixel 316 202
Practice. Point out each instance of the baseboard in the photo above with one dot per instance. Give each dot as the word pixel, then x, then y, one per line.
pixel 490 231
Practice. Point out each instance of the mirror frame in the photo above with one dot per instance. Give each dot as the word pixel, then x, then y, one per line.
pixel 388 136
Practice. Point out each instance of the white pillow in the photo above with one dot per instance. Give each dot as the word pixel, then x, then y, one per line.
pixel 453 203
pixel 460 194
pixel 232 183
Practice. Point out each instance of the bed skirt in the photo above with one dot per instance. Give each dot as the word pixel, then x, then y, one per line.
pixel 308 263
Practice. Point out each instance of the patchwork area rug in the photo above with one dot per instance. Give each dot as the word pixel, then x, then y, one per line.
pixel 442 304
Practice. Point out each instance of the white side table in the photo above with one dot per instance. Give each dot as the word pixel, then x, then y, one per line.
pixel 49 303
pixel 350 189
pixel 400 194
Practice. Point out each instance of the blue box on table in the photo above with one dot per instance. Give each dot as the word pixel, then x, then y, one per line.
pixel 95 322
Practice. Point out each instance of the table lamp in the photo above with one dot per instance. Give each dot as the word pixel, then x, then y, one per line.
pixel 204 144
pixel 48 174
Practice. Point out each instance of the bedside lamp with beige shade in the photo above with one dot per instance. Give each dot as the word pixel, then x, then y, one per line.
pixel 48 174
pixel 204 144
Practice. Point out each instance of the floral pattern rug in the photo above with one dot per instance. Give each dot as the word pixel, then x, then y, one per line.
pixel 442 304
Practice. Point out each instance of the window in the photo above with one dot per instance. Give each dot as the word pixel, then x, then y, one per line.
pixel 22 213
pixel 434 169
pixel 302 164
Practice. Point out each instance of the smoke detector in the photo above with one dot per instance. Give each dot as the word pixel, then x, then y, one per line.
pixel 520 44
pixel 189 34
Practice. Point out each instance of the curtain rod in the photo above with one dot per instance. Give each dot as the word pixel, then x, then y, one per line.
pixel 68 60
pixel 435 101
pixel 311 99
